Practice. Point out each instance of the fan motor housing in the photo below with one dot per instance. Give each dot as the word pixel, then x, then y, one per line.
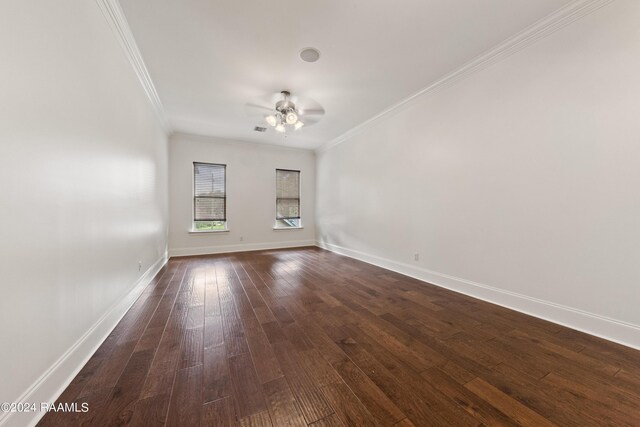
pixel 285 106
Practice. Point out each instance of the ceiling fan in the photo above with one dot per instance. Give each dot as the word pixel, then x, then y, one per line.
pixel 284 111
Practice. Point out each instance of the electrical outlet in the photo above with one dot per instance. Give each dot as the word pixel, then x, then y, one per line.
pixel 139 265
pixel 416 256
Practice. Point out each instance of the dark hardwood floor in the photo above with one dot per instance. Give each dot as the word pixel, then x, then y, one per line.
pixel 308 337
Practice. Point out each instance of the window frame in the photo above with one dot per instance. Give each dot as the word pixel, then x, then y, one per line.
pixel 194 229
pixel 299 218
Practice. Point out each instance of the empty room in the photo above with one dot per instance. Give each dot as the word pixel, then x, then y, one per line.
pixel 319 213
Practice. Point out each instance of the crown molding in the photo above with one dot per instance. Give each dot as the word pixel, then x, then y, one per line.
pixel 542 28
pixel 178 135
pixel 118 23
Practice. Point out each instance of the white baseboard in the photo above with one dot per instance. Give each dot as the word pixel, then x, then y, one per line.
pixel 221 249
pixel 601 326
pixel 55 380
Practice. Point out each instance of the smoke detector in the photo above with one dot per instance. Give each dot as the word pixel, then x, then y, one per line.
pixel 309 54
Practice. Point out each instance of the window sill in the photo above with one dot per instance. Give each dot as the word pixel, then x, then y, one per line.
pixel 207 231
pixel 287 228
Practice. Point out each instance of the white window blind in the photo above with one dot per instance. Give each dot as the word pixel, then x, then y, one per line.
pixel 287 194
pixel 209 198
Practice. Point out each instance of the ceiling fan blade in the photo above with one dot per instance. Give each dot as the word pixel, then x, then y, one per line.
pixel 309 121
pixel 257 111
pixel 259 107
pixel 312 111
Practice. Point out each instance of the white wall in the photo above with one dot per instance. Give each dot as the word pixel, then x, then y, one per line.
pixel 251 189
pixel 83 191
pixel 518 184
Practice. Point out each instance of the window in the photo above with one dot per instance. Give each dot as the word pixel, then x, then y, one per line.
pixel 287 198
pixel 209 197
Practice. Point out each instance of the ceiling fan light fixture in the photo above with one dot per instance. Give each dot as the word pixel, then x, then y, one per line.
pixel 271 120
pixel 291 117
pixel 286 116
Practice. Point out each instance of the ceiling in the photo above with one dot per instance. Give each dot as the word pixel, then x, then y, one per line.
pixel 209 58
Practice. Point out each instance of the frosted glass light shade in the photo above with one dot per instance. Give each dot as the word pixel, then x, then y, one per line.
pixel 291 118
pixel 271 120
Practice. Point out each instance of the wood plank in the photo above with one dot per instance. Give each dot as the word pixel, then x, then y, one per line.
pixel 192 348
pixel 544 398
pixel 398 364
pixel 219 413
pixel 602 349
pixel 585 361
pixel 264 359
pixel 186 401
pixel 329 421
pixel 110 370
pixel 213 332
pixel 464 343
pixel 320 369
pixel 407 401
pixel 283 406
pixel 246 386
pixel 467 400
pixel 162 372
pixel 347 406
pixel 150 339
pixel 626 405
pixel 234 339
pixel 404 423
pixel 80 381
pixel 377 403
pixel 274 332
pixel 196 317
pixel 264 314
pixel 151 411
pixel 257 420
pixel 512 408
pixel 217 381
pixel 282 315
pixel 629 376
pixel 126 392
pixel 312 403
